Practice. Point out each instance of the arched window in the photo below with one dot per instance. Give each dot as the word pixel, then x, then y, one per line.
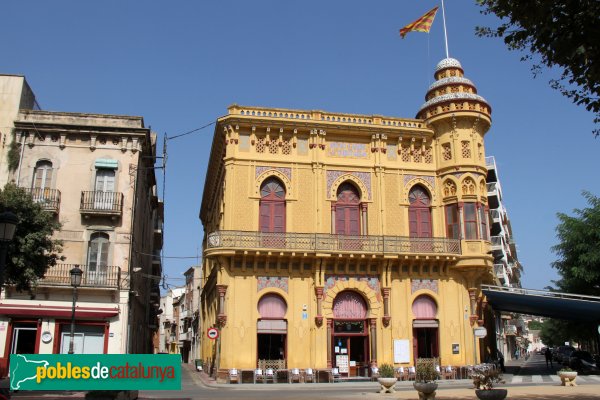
pixel 42 175
pixel 272 306
pixel 349 305
pixel 272 206
pixel 98 252
pixel 347 210
pixel 419 213
pixel 424 307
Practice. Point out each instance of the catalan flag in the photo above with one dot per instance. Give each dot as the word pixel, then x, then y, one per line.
pixel 423 24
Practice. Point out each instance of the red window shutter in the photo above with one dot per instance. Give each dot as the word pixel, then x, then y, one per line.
pixel 353 221
pixel 279 217
pixel 413 224
pixel 265 217
pixel 424 222
pixel 340 221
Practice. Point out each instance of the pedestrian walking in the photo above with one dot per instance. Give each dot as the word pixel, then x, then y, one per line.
pixel 548 355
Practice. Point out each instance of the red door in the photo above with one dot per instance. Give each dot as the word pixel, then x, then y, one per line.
pixel 347 217
pixel 272 213
pixel 419 219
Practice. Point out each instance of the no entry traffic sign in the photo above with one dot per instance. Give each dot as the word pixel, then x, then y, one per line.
pixel 212 333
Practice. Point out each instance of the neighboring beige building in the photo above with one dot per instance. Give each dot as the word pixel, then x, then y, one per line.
pixel 95 173
pixel 169 321
pixel 15 95
pixel 191 318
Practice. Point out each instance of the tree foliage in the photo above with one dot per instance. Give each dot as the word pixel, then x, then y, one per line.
pixel 535 325
pixel 564 33
pixel 578 249
pixel 32 249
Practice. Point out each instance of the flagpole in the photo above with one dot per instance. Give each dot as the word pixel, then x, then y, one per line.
pixel 445 33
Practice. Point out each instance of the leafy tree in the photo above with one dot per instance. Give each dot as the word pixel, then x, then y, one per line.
pixel 535 325
pixel 579 249
pixel 33 249
pixel 564 33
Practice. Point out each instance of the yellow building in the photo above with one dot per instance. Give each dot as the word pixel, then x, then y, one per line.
pixel 345 240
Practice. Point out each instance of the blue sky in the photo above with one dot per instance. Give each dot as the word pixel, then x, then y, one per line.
pixel 179 64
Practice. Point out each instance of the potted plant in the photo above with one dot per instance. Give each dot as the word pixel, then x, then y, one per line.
pixel 425 378
pixel 484 379
pixel 567 376
pixel 387 378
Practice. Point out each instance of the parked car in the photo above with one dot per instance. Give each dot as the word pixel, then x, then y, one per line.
pixel 562 354
pixel 583 362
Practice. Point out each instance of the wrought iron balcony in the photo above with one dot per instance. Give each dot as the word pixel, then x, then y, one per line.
pixel 101 203
pixel 49 199
pixel 322 242
pixel 102 277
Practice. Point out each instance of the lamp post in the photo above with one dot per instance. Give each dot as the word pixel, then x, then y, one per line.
pixel 8 225
pixel 76 273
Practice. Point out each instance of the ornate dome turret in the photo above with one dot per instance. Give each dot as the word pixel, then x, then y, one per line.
pixel 452 92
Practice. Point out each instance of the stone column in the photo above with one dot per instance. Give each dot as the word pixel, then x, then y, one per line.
pixel 332 218
pixel 472 298
pixel 329 337
pixel 319 294
pixel 364 221
pixel 221 316
pixel 386 306
pixel 373 335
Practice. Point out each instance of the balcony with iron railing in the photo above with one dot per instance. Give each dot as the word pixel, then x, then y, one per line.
pixel 100 277
pixel 101 203
pixel 322 242
pixel 49 199
pixel 500 272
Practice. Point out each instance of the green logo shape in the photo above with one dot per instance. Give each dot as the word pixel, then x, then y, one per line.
pixel 95 372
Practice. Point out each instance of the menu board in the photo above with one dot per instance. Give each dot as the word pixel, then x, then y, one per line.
pixel 401 351
pixel 341 361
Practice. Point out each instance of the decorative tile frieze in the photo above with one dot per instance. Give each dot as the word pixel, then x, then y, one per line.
pixel 426 178
pixel 429 284
pixel 285 171
pixel 345 149
pixel 364 177
pixel 371 281
pixel 279 282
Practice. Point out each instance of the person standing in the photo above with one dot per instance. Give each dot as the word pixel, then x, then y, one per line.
pixel 548 355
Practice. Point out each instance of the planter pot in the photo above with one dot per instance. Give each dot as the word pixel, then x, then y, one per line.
pixel 426 390
pixel 387 384
pixel 568 378
pixel 491 394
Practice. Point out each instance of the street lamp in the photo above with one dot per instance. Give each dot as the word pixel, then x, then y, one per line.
pixel 8 225
pixel 76 273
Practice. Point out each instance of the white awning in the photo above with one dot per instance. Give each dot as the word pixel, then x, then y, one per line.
pixel 426 323
pixel 278 326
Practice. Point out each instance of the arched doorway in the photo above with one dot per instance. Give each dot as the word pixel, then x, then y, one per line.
pixel 419 219
pixel 425 328
pixel 272 212
pixel 347 217
pixel 350 333
pixel 272 332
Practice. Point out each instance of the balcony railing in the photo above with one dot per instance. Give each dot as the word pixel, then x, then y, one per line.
pixel 49 199
pixel 333 243
pixel 101 203
pixel 500 271
pixel 102 277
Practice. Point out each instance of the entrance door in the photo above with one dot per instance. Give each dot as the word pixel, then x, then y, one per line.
pixel 351 352
pixel 104 189
pixel 24 339
pixel 426 342
pixel 419 219
pixel 272 213
pixel 347 217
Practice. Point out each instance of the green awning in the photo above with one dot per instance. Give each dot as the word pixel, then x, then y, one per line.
pixel 106 163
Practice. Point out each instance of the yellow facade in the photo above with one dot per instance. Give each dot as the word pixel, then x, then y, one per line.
pixel 313 155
